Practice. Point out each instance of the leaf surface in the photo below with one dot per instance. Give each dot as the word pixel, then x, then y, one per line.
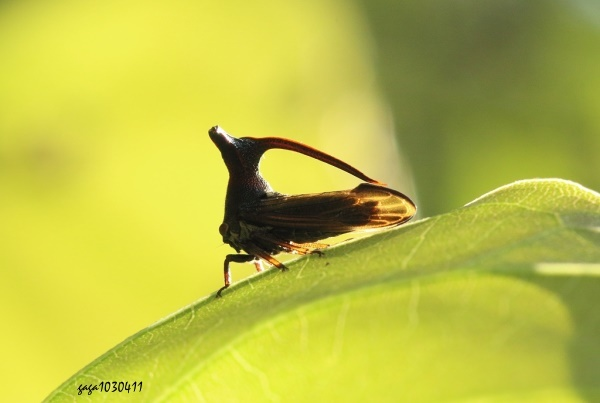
pixel 497 300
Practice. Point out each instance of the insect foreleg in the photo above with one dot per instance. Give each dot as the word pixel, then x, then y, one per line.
pixel 237 258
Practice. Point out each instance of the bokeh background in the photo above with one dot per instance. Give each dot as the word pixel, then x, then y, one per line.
pixel 111 192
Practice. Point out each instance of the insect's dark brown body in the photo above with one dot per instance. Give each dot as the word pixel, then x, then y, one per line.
pixel 262 222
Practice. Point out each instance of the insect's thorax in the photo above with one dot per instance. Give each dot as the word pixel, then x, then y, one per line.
pixel 239 234
pixel 244 188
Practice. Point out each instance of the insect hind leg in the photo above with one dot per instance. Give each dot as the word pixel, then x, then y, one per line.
pixel 314 248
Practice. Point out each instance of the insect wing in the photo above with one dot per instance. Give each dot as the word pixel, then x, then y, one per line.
pixel 365 207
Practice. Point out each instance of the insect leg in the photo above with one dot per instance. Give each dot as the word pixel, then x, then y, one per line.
pixel 293 247
pixel 259 266
pixel 312 247
pixel 258 252
pixel 239 258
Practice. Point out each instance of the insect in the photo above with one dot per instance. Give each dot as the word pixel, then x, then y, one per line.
pixel 263 223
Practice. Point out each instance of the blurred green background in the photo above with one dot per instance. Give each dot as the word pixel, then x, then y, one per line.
pixel 111 192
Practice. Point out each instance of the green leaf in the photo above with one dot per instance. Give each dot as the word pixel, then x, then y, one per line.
pixel 496 301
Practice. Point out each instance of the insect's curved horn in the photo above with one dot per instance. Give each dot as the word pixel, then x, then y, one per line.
pixel 267 143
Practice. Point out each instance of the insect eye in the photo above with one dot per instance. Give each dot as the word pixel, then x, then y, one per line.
pixel 223 229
